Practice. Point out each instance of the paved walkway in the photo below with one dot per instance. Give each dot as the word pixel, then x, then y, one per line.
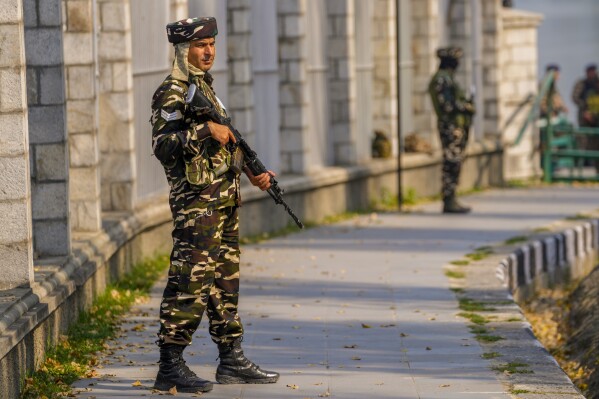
pixel 359 309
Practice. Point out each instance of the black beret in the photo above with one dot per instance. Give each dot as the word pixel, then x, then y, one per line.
pixel 450 52
pixel 552 67
pixel 591 67
pixel 191 29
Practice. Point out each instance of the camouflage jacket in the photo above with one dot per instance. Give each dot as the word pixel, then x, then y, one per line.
pixel 449 101
pixel 180 138
pixel 586 95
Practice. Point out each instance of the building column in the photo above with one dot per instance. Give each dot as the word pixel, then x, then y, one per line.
pixel 47 127
pixel 293 89
pixel 265 72
pixel 384 103
pixel 425 23
pixel 363 78
pixel 16 250
pixel 82 114
pixel 237 51
pixel 116 129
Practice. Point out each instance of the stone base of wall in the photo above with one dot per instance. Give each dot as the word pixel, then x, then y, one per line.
pixel 33 318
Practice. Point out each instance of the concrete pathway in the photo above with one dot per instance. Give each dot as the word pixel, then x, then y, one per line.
pixel 359 309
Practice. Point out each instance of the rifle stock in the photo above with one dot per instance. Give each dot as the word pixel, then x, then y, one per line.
pixel 197 101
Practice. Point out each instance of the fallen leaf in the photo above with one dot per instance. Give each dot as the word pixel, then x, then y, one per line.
pixel 350 346
pixel 356 358
pixel 325 394
pixel 173 391
pixel 428 348
pixel 366 326
pixel 444 385
pixel 136 383
pixel 292 386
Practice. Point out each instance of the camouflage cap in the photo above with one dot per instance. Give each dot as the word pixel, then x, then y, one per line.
pixel 191 29
pixel 450 52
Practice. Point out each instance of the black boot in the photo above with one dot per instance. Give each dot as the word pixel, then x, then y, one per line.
pixel 451 205
pixel 235 368
pixel 173 372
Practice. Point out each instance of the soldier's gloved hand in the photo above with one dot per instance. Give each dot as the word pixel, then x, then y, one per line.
pixel 221 133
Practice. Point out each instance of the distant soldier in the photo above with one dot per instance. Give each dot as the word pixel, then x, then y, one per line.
pixel 203 175
pixel 454 116
pixel 586 96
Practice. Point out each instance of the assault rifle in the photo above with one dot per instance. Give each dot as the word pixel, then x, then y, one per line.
pixel 198 102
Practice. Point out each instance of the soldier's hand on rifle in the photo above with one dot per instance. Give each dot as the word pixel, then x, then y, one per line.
pixel 221 133
pixel 261 181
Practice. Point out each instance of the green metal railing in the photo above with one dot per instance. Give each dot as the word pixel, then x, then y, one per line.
pixel 560 141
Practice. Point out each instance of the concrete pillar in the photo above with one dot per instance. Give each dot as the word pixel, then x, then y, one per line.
pixel 341 74
pixel 384 104
pixel 363 65
pixel 116 129
pixel 425 20
pixel 238 53
pixel 16 251
pixel 265 72
pixel 47 127
pixel 294 91
pixel 82 114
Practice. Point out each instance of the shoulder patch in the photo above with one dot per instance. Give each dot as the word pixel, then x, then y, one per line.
pixel 178 88
pixel 171 116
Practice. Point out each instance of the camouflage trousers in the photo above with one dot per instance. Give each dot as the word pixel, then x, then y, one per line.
pixel 453 142
pixel 203 275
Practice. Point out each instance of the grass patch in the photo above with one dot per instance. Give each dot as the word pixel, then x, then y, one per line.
pixel 470 305
pixel 478 330
pixel 454 274
pixel 409 197
pixel 490 355
pixel 474 318
pixel 488 338
pixel 578 216
pixel 515 240
pixel 513 319
pixel 513 368
pixel 518 391
pixel 457 290
pixel 461 262
pixel 480 253
pixel 74 355
pixel 541 230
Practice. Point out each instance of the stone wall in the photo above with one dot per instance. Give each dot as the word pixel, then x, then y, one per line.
pixel 82 114
pixel 518 62
pixel 47 128
pixel 116 133
pixel 239 56
pixel 293 91
pixel 384 109
pixel 16 251
pixel 425 41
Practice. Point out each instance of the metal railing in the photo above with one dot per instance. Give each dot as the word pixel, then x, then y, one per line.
pixel 562 157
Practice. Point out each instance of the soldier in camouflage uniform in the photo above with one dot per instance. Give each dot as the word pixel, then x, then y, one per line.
pixel 454 115
pixel 204 200
pixel 586 96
